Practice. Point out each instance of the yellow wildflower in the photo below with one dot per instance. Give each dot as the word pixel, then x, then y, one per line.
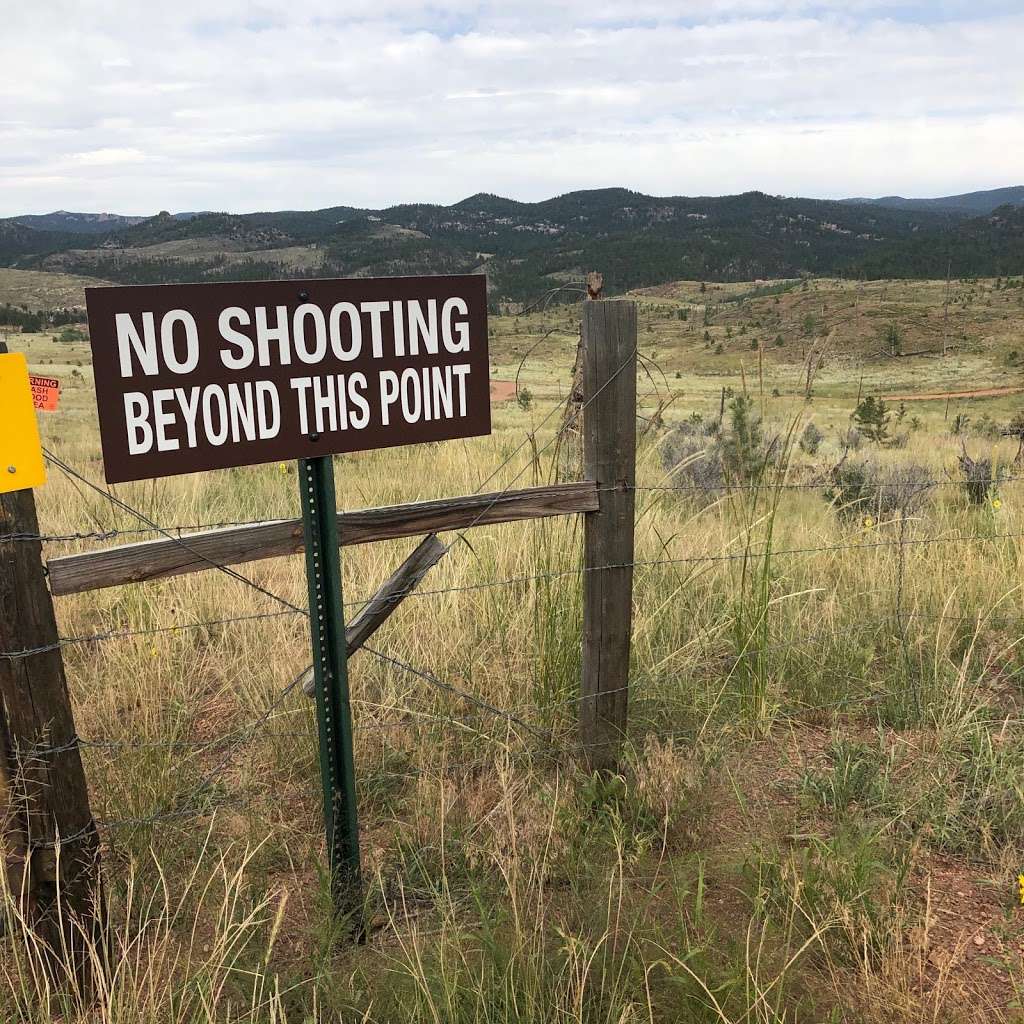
pixel 1020 888
pixel 869 521
pixel 153 652
pixel 997 504
pixel 283 467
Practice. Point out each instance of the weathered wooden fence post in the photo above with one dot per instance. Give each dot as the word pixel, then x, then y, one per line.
pixel 52 855
pixel 609 454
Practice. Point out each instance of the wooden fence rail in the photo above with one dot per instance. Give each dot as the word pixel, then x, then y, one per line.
pixel 199 552
pixel 47 798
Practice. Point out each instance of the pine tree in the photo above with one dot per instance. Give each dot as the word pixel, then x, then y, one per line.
pixel 872 419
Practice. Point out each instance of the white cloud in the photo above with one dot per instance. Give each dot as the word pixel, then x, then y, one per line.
pixel 244 105
pixel 108 156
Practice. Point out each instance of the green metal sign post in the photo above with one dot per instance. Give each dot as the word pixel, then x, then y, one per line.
pixel 330 672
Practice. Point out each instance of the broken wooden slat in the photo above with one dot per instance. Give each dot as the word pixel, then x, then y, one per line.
pixel 199 552
pixel 402 582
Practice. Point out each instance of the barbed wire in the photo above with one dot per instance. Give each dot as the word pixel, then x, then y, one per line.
pixel 632 741
pixel 752 555
pixel 72 473
pixel 701 559
pixel 507 713
pixel 823 484
pixel 119 634
pixel 418 717
pixel 430 678
pixel 546 298
pixel 234 574
pixel 551 748
pixel 199 790
pixel 790 644
pixel 194 805
pixel 724 488
pixel 395 662
pixel 101 535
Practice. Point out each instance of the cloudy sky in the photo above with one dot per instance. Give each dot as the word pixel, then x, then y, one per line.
pixel 133 106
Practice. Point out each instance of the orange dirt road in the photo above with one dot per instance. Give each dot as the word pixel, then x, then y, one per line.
pixel 502 390
pixel 938 396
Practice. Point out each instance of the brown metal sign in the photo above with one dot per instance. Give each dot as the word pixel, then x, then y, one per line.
pixel 207 376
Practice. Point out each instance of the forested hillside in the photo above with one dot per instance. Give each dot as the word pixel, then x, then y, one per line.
pixel 981 247
pixel 529 248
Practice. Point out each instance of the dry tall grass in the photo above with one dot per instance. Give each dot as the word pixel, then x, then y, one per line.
pixel 746 865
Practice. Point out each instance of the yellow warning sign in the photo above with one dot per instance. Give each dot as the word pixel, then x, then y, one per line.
pixel 21 456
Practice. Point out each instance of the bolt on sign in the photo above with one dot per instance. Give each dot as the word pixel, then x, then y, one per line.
pixel 207 376
pixel 21 455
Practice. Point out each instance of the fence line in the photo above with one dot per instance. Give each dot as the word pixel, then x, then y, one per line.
pixel 511 716
pixel 823 484
pixel 550 752
pixel 50 538
pixel 724 488
pixel 509 713
pixel 748 556
pixel 251 731
pixel 73 474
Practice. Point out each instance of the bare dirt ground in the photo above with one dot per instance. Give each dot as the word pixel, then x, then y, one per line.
pixel 503 390
pixel 938 396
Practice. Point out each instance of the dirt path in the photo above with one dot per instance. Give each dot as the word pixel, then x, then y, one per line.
pixel 938 396
pixel 502 390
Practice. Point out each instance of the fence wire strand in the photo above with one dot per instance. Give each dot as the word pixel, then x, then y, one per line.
pixel 196 804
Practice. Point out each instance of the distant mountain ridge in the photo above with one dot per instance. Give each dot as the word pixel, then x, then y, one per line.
pixel 966 204
pixel 528 249
pixel 975 204
pixel 85 223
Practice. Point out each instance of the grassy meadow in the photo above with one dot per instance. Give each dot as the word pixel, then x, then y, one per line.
pixel 820 809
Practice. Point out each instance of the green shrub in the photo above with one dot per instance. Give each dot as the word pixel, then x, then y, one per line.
pixel 746 451
pixel 980 478
pixel 893 339
pixel 810 439
pixel 862 489
pixel 961 421
pixel 707 457
pixel 986 427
